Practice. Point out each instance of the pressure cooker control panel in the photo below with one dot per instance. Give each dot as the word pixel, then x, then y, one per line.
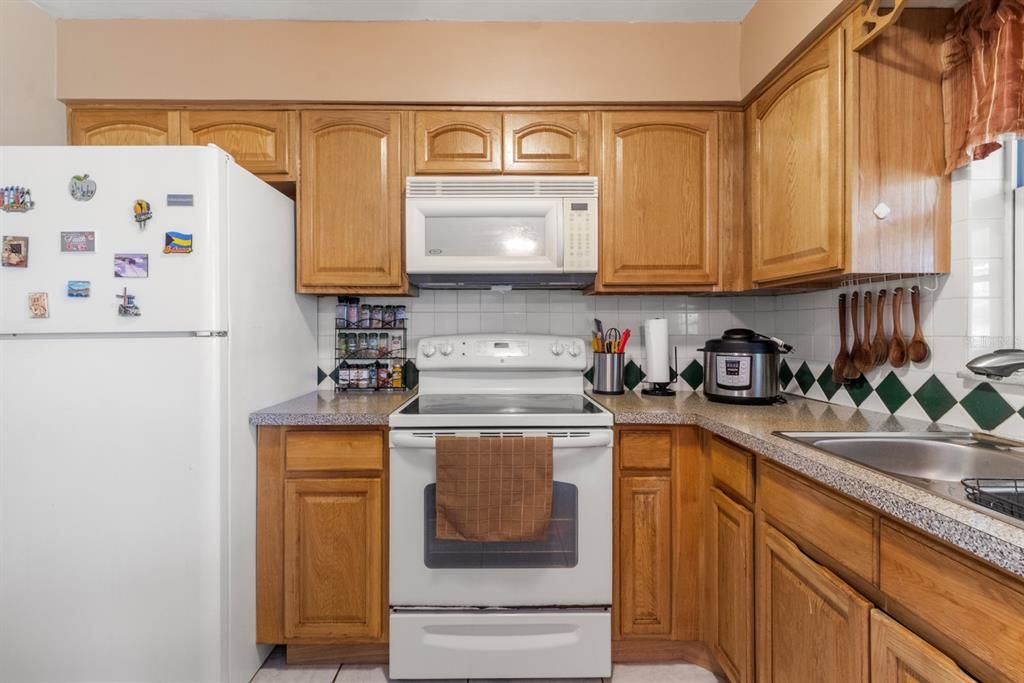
pixel 733 372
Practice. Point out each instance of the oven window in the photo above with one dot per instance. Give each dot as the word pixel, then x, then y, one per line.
pixel 485 236
pixel 556 549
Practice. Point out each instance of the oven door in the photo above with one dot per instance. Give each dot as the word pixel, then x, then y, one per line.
pixel 452 235
pixel 571 566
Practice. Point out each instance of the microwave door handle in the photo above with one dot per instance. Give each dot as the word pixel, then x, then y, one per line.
pixel 560 258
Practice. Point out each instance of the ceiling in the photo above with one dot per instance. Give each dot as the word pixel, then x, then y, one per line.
pixel 404 10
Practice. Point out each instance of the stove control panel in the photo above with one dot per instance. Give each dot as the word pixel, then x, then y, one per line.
pixel 500 351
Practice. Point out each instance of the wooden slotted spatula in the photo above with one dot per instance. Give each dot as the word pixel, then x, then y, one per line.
pixel 918 350
pixel 862 357
pixel 897 345
pixel 842 358
pixel 879 345
pixel 850 371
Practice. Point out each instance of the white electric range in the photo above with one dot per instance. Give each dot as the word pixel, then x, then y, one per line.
pixel 537 609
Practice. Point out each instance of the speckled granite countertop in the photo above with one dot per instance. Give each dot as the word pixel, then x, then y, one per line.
pixel 999 542
pixel 330 408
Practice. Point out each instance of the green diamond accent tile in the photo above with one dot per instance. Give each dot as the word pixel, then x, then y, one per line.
pixel 693 374
pixel 334 374
pixel 827 385
pixel 934 398
pixel 785 374
pixel 320 376
pixel 986 406
pixel 672 374
pixel 589 375
pixel 859 389
pixel 632 375
pixel 804 377
pixel 892 392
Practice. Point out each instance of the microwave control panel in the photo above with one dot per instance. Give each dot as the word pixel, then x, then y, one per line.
pixel 580 245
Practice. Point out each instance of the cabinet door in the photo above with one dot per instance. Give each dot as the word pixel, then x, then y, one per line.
pixel 899 656
pixel 731 582
pixel 797 188
pixel 124 127
pixel 350 202
pixel 659 194
pixel 811 626
pixel 645 556
pixel 332 558
pixel 458 142
pixel 547 142
pixel 261 141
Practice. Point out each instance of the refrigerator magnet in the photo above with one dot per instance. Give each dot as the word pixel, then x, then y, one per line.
pixel 38 305
pixel 82 188
pixel 78 289
pixel 16 199
pixel 177 243
pixel 15 252
pixel 142 212
pixel 131 265
pixel 127 308
pixel 77 241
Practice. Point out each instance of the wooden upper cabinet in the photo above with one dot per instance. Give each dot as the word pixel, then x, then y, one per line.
pixel 261 141
pixel 333 567
pixel 645 556
pixel 798 168
pixel 123 127
pixel 659 198
pixel 458 142
pixel 546 142
pixel 731 587
pixel 350 203
pixel 899 656
pixel 811 626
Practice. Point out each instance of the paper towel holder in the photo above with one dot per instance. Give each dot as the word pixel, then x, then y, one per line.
pixel 660 388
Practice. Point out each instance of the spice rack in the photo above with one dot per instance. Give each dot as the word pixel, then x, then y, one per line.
pixel 370 346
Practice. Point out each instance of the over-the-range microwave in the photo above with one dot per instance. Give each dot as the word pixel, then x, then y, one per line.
pixel 480 231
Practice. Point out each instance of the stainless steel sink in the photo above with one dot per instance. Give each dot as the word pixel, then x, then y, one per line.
pixel 937 461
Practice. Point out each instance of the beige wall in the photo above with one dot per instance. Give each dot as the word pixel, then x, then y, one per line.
pixel 400 62
pixel 29 111
pixel 770 31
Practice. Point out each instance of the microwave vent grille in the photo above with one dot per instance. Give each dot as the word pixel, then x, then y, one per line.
pixel 500 186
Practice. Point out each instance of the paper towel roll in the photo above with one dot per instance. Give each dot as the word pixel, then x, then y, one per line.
pixel 656 350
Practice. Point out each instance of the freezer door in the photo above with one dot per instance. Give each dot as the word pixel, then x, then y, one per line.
pixel 110 509
pixel 181 293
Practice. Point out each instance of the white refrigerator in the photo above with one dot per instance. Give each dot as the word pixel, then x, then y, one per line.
pixel 127 464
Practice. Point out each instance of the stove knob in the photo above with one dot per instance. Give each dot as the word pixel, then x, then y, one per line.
pixel 575 350
pixel 446 349
pixel 428 350
pixel 557 348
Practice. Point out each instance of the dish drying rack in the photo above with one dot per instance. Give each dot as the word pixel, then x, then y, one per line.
pixel 1001 495
pixel 370 359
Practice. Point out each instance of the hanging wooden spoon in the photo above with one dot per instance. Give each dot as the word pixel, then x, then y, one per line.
pixel 879 346
pixel 918 350
pixel 862 357
pixel 897 345
pixel 850 372
pixel 842 358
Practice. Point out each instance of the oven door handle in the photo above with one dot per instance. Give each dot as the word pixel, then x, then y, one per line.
pixel 593 440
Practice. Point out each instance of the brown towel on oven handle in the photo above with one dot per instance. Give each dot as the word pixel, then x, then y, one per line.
pixel 492 488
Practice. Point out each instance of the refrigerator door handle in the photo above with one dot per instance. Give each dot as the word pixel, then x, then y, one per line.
pixel 211 333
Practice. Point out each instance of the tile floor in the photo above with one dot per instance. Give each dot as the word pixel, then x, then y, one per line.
pixel 275 670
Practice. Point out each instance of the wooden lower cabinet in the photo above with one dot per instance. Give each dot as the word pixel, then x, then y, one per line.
pixel 899 656
pixel 321 540
pixel 332 558
pixel 811 626
pixel 645 556
pixel 730 630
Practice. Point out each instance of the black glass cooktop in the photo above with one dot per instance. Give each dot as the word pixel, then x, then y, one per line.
pixel 490 404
